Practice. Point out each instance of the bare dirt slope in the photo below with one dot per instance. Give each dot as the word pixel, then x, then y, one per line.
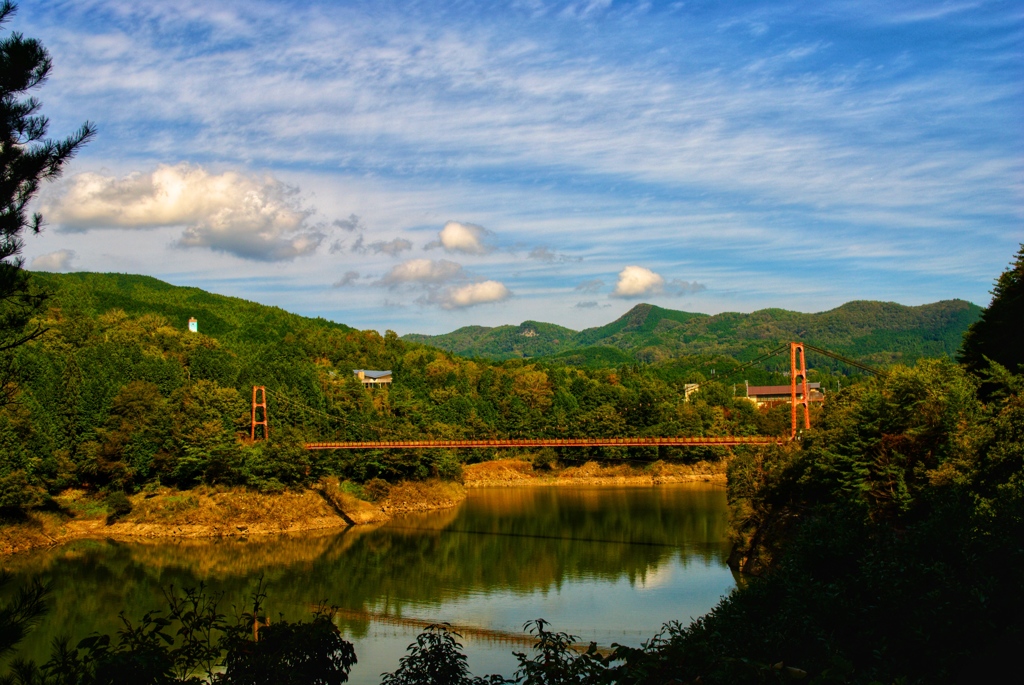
pixel 218 512
pixel 514 472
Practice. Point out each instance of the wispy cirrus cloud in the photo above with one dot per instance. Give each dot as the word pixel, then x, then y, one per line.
pixel 546 254
pixel 734 143
pixel 593 285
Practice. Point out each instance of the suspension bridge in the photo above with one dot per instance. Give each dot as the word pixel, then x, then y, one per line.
pixel 799 402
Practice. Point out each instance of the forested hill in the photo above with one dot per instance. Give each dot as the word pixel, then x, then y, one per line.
pixel 229 319
pixel 119 395
pixel 880 332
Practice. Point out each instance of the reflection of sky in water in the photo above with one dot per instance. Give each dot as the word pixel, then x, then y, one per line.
pixel 609 565
pixel 588 607
pixel 596 610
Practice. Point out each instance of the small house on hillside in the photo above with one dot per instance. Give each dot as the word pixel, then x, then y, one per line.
pixel 370 378
pixel 771 395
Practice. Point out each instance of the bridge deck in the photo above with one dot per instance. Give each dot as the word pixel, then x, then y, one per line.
pixel 546 442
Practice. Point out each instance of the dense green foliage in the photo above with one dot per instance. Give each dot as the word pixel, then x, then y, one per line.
pixel 192 642
pixel 119 394
pixel 887 540
pixel 876 332
pixel 999 333
pixel 890 545
pixel 27 158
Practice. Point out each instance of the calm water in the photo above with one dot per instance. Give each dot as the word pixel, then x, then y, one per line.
pixel 606 564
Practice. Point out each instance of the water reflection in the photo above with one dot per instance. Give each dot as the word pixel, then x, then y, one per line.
pixel 608 564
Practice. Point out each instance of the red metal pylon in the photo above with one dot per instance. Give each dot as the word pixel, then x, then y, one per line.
pixel 794 348
pixel 261 403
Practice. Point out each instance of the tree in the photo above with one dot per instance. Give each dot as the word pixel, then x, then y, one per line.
pixel 27 157
pixel 998 333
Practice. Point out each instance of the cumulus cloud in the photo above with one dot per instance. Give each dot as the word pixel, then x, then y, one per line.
pixel 53 261
pixel 465 238
pixel 435 277
pixel 349 278
pixel 251 217
pixel 423 271
pixel 592 286
pixel 459 297
pixel 636 281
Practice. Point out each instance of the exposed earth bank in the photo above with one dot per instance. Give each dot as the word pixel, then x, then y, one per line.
pixel 219 512
pixel 516 473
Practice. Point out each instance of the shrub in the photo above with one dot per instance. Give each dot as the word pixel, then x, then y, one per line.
pixel 376 489
pixel 18 492
pixel 118 504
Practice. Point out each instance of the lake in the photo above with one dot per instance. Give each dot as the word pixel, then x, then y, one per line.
pixel 609 564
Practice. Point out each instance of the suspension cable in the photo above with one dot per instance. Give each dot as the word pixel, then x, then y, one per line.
pixel 783 348
pixel 845 360
pixel 744 367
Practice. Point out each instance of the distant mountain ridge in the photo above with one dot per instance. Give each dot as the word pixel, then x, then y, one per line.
pixel 881 332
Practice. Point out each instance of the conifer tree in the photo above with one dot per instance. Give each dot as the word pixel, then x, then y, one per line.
pixel 27 158
pixel 999 333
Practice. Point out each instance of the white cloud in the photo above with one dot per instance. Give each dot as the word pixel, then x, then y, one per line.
pixel 471 294
pixel 425 271
pixel 53 261
pixel 636 281
pixel 459 237
pixel 250 217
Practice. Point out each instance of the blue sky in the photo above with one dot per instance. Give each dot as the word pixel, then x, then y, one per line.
pixel 422 166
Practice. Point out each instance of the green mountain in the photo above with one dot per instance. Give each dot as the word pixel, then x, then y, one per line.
pixel 229 319
pixel 879 332
pixel 119 394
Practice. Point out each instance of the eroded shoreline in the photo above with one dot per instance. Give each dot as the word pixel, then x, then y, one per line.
pixel 223 512
pixel 516 473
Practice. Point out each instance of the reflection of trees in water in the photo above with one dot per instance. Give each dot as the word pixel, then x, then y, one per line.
pixel 520 540
pixel 534 539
